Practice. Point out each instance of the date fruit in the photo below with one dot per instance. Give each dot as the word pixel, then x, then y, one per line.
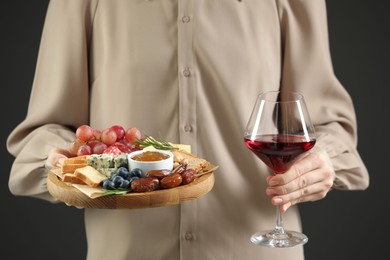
pixel 188 176
pixel 171 181
pixel 159 174
pixel 145 184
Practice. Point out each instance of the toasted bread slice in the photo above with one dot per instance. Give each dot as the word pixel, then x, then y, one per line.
pixel 90 176
pixel 71 178
pixel 193 162
pixel 76 160
pixel 71 167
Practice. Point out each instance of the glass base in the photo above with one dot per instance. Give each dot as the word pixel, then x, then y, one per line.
pixel 279 240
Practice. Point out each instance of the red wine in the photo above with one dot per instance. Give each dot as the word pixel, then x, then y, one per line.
pixel 278 152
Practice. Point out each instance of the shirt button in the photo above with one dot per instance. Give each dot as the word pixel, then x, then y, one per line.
pixel 185 19
pixel 188 236
pixel 186 72
pixel 187 128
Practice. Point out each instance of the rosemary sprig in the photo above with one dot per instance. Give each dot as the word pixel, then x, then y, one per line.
pixel 158 144
pixel 116 192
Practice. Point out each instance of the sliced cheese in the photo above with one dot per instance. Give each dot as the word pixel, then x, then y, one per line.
pixel 184 147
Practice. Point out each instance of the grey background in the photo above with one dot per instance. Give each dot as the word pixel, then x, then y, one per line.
pixel 345 225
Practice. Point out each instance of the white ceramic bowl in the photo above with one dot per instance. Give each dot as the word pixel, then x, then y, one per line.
pixel 145 166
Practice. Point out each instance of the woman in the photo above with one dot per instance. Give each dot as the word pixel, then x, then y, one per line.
pixel 189 71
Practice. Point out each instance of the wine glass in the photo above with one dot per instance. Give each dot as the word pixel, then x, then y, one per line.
pixel 278 131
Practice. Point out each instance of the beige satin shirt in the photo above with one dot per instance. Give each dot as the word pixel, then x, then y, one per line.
pixel 188 71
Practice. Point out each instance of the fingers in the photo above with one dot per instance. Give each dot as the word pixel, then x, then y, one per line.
pixel 57 156
pixel 309 179
pixel 306 164
pixel 55 160
pixel 302 184
pixel 313 192
pixel 70 205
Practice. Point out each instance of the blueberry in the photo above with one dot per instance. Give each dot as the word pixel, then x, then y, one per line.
pixel 128 176
pixel 122 171
pixel 125 184
pixel 108 184
pixel 136 172
pixel 117 180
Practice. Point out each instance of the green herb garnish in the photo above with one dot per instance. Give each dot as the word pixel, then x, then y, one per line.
pixel 158 144
pixel 116 192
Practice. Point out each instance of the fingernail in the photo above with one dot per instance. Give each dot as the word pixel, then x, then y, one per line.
pixel 285 207
pixel 60 161
pixel 273 182
pixel 277 201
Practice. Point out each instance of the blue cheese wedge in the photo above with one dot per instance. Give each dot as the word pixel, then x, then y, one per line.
pixel 120 161
pixel 107 164
pixel 107 171
pixel 100 160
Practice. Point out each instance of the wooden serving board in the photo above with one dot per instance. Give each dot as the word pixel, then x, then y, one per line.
pixel 158 198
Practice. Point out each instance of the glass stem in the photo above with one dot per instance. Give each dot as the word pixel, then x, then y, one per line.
pixel 279 222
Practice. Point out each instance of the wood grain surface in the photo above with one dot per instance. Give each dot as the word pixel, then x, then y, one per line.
pixel 159 198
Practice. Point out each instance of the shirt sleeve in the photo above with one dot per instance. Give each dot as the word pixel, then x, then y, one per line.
pixel 307 68
pixel 59 98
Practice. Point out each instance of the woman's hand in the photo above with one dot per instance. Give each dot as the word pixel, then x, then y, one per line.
pixel 70 205
pixel 310 178
pixel 57 156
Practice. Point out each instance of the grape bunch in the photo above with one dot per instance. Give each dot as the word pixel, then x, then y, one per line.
pixel 114 140
pixel 122 178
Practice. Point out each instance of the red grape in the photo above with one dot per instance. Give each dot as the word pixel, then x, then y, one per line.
pixel 96 133
pixel 127 143
pixel 108 136
pixel 132 134
pixel 97 146
pixel 119 130
pixel 114 140
pixel 84 133
pixel 84 150
pixel 75 145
